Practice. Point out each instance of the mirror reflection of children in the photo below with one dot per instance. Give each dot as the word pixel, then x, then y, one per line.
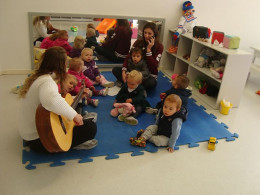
pixel 167 126
pixel 136 62
pixel 62 41
pixel 91 39
pixel 78 45
pixel 132 92
pixel 75 68
pixel 91 69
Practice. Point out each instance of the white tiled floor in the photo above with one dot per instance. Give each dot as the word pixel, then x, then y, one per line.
pixel 233 168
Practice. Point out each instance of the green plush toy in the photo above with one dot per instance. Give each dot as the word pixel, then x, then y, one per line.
pixel 199 82
pixel 74 29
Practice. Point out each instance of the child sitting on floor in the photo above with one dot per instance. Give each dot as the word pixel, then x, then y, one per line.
pixel 91 70
pixel 48 41
pixel 91 39
pixel 167 126
pixel 62 41
pixel 68 85
pixel 75 68
pixel 136 62
pixel 78 45
pixel 132 92
pixel 179 85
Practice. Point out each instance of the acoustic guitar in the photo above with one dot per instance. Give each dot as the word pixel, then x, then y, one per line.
pixel 56 131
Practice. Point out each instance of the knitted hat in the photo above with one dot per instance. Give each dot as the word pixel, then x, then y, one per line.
pixel 187 5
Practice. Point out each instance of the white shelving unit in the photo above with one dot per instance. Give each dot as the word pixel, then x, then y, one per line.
pixel 230 87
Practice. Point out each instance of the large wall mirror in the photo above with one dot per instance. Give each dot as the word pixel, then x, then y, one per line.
pixel 64 21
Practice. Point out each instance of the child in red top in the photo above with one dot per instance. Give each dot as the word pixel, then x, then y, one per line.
pixel 62 41
pixel 75 68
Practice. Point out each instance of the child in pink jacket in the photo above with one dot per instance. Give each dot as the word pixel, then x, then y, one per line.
pixel 75 68
pixel 62 41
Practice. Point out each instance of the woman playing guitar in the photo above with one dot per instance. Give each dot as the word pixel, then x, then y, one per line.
pixel 41 89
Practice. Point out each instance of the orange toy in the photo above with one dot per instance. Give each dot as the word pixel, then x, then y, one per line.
pixel 173 49
pixel 105 25
pixel 258 92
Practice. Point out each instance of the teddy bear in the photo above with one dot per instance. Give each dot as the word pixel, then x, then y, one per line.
pixel 187 20
pixel 122 108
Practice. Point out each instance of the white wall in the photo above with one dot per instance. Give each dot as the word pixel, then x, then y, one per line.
pixel 232 17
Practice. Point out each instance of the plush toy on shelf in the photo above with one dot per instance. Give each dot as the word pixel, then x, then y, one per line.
pixel 187 20
pixel 204 58
pixel 217 72
pixel 122 108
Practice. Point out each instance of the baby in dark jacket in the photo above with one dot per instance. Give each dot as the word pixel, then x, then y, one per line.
pixel 179 87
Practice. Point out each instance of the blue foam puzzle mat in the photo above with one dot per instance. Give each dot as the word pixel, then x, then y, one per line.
pixel 113 135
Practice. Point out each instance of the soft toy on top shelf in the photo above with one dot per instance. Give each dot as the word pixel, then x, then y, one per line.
pixel 187 20
pixel 122 108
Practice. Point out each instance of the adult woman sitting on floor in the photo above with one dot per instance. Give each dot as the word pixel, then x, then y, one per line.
pixel 153 51
pixel 117 48
pixel 41 88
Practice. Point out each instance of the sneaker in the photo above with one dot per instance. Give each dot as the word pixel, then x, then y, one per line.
pixel 16 89
pixel 131 120
pixel 108 84
pixel 104 91
pixel 138 142
pixel 150 110
pixel 121 118
pixel 139 133
pixel 119 83
pixel 95 102
pixel 90 115
pixel 90 93
pixel 87 145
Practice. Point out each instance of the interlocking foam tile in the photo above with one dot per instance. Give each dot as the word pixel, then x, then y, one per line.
pixel 113 135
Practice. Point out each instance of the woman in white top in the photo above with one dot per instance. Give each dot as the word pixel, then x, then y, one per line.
pixel 41 88
pixel 40 28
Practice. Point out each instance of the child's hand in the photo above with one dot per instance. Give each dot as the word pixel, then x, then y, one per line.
pixel 98 79
pixel 129 100
pixel 162 96
pixel 171 150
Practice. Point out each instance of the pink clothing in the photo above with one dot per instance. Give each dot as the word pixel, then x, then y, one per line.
pixel 46 43
pixel 63 43
pixel 80 76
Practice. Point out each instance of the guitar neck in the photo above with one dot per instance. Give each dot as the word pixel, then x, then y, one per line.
pixel 78 97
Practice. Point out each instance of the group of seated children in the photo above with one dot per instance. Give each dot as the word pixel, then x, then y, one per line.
pixel 171 111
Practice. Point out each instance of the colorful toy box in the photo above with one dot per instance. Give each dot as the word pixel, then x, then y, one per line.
pixel 231 42
pixel 219 36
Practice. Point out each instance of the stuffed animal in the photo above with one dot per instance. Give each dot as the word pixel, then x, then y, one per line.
pixel 217 72
pixel 122 108
pixel 204 58
pixel 187 20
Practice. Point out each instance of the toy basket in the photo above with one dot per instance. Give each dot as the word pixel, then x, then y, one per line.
pixel 223 109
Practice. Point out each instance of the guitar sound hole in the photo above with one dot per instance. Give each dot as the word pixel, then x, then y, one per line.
pixel 62 124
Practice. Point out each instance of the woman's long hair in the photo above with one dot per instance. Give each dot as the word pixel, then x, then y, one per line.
pixel 53 60
pixel 38 19
pixel 142 42
pixel 125 23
